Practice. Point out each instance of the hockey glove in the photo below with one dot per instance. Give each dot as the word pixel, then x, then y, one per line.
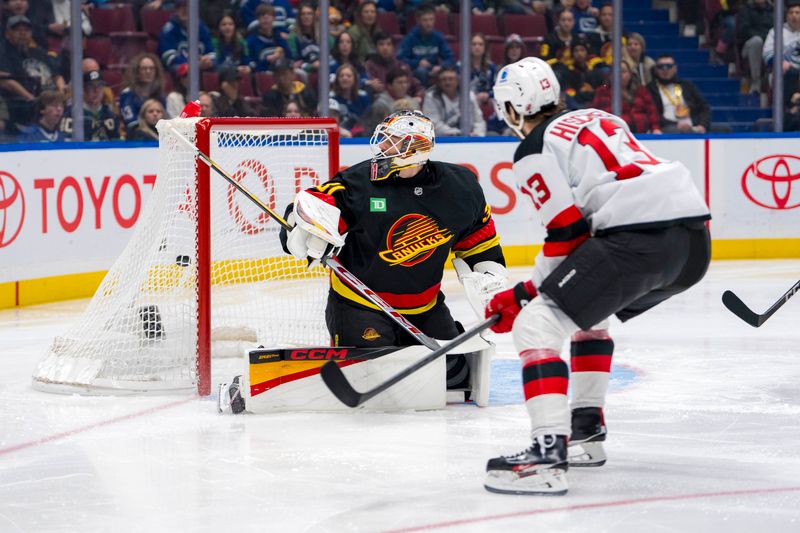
pixel 509 303
pixel 481 282
pixel 315 223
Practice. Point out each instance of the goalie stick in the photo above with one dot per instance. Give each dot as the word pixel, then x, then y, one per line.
pixel 330 261
pixel 337 383
pixel 736 306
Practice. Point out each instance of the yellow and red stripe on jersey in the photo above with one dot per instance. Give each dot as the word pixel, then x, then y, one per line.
pixel 406 304
pixel 565 232
pixel 479 241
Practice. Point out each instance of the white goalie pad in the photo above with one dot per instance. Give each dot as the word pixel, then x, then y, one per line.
pixel 288 379
pixel 318 218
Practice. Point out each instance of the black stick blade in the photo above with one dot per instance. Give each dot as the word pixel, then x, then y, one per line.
pixel 336 381
pixel 738 308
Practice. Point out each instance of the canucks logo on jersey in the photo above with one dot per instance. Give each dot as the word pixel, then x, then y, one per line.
pixel 413 239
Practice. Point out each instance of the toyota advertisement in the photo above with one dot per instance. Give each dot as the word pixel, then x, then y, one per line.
pixel 72 211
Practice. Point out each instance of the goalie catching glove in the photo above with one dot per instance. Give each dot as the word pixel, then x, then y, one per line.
pixel 481 282
pixel 315 227
pixel 509 303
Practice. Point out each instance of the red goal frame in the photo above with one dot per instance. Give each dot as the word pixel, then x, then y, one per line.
pixel 203 235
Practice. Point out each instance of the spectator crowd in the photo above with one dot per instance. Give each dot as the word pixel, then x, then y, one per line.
pixel 262 58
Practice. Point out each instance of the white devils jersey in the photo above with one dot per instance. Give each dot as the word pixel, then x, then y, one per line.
pixel 585 172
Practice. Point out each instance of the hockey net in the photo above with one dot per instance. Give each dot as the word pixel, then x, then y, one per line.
pixel 203 273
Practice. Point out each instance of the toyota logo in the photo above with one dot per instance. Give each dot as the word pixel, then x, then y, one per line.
pixel 770 182
pixel 12 208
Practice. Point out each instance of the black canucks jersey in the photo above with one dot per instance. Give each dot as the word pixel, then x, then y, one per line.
pixel 401 230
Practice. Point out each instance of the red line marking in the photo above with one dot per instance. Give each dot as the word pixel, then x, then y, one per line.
pixel 71 432
pixel 597 505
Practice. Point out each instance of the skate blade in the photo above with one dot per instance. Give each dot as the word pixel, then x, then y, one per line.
pixel 548 482
pixel 224 399
pixel 587 454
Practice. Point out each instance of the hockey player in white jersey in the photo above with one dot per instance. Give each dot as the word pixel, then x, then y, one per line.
pixel 625 231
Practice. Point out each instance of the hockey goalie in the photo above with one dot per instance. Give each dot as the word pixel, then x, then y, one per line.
pixel 392 221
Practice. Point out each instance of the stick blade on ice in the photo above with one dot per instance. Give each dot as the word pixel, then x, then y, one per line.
pixel 738 308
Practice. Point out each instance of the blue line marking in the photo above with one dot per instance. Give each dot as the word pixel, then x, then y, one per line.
pixel 506 388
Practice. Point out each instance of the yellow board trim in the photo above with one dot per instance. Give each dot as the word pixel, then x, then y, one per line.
pixel 71 286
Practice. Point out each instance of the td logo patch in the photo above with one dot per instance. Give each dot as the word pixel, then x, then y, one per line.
pixel 377 205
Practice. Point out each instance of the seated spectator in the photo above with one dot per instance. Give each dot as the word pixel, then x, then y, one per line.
pixel 585 16
pixel 293 110
pixel 394 98
pixel 384 61
pixel 88 65
pixel 788 59
pixel 335 112
pixel 144 80
pixel 579 79
pixel 303 40
pixel 441 105
pixel 600 38
pixel 100 122
pixel 61 17
pixel 353 102
pixel 425 49
pixel 755 22
pixel 145 130
pixel 336 22
pixel 230 102
pixel 173 41
pixel 556 45
pixel 496 7
pixel 281 14
pixel 37 14
pixel 725 21
pixel 176 100
pixel 514 49
pixel 482 70
pixel 46 127
pixel 638 109
pixel 265 45
pixel 208 107
pixel 640 62
pixel 343 52
pixel 25 70
pixel 363 29
pixel 229 46
pixel 681 107
pixel 287 89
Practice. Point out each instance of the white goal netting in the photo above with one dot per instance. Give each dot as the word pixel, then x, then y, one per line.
pixel 145 325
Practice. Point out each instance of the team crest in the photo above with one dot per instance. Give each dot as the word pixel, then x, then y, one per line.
pixel 370 334
pixel 413 239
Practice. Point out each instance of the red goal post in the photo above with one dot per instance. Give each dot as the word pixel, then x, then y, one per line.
pixel 203 274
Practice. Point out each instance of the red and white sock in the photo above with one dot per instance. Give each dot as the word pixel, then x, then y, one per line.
pixel 590 362
pixel 545 380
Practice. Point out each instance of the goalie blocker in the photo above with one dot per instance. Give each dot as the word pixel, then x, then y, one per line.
pixel 287 379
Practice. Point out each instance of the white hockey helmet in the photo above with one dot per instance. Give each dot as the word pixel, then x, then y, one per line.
pixel 528 86
pixel 403 139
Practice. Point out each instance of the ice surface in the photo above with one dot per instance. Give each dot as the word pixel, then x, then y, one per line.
pixel 703 415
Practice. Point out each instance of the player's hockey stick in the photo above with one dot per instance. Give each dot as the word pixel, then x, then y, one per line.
pixel 336 381
pixel 330 261
pixel 738 307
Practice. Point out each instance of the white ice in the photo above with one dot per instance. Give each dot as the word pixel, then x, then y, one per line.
pixel 704 435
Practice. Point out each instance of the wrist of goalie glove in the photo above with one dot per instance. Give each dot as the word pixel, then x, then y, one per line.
pixel 481 282
pixel 509 303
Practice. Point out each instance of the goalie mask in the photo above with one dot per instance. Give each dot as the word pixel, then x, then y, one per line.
pixel 403 139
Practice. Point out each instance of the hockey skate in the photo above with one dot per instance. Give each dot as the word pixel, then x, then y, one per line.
pixel 541 469
pixel 230 399
pixel 588 434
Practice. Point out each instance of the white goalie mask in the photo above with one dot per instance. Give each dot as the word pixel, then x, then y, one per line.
pixel 527 86
pixel 403 139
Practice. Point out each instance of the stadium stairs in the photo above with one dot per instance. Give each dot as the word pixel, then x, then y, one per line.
pixel 728 105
